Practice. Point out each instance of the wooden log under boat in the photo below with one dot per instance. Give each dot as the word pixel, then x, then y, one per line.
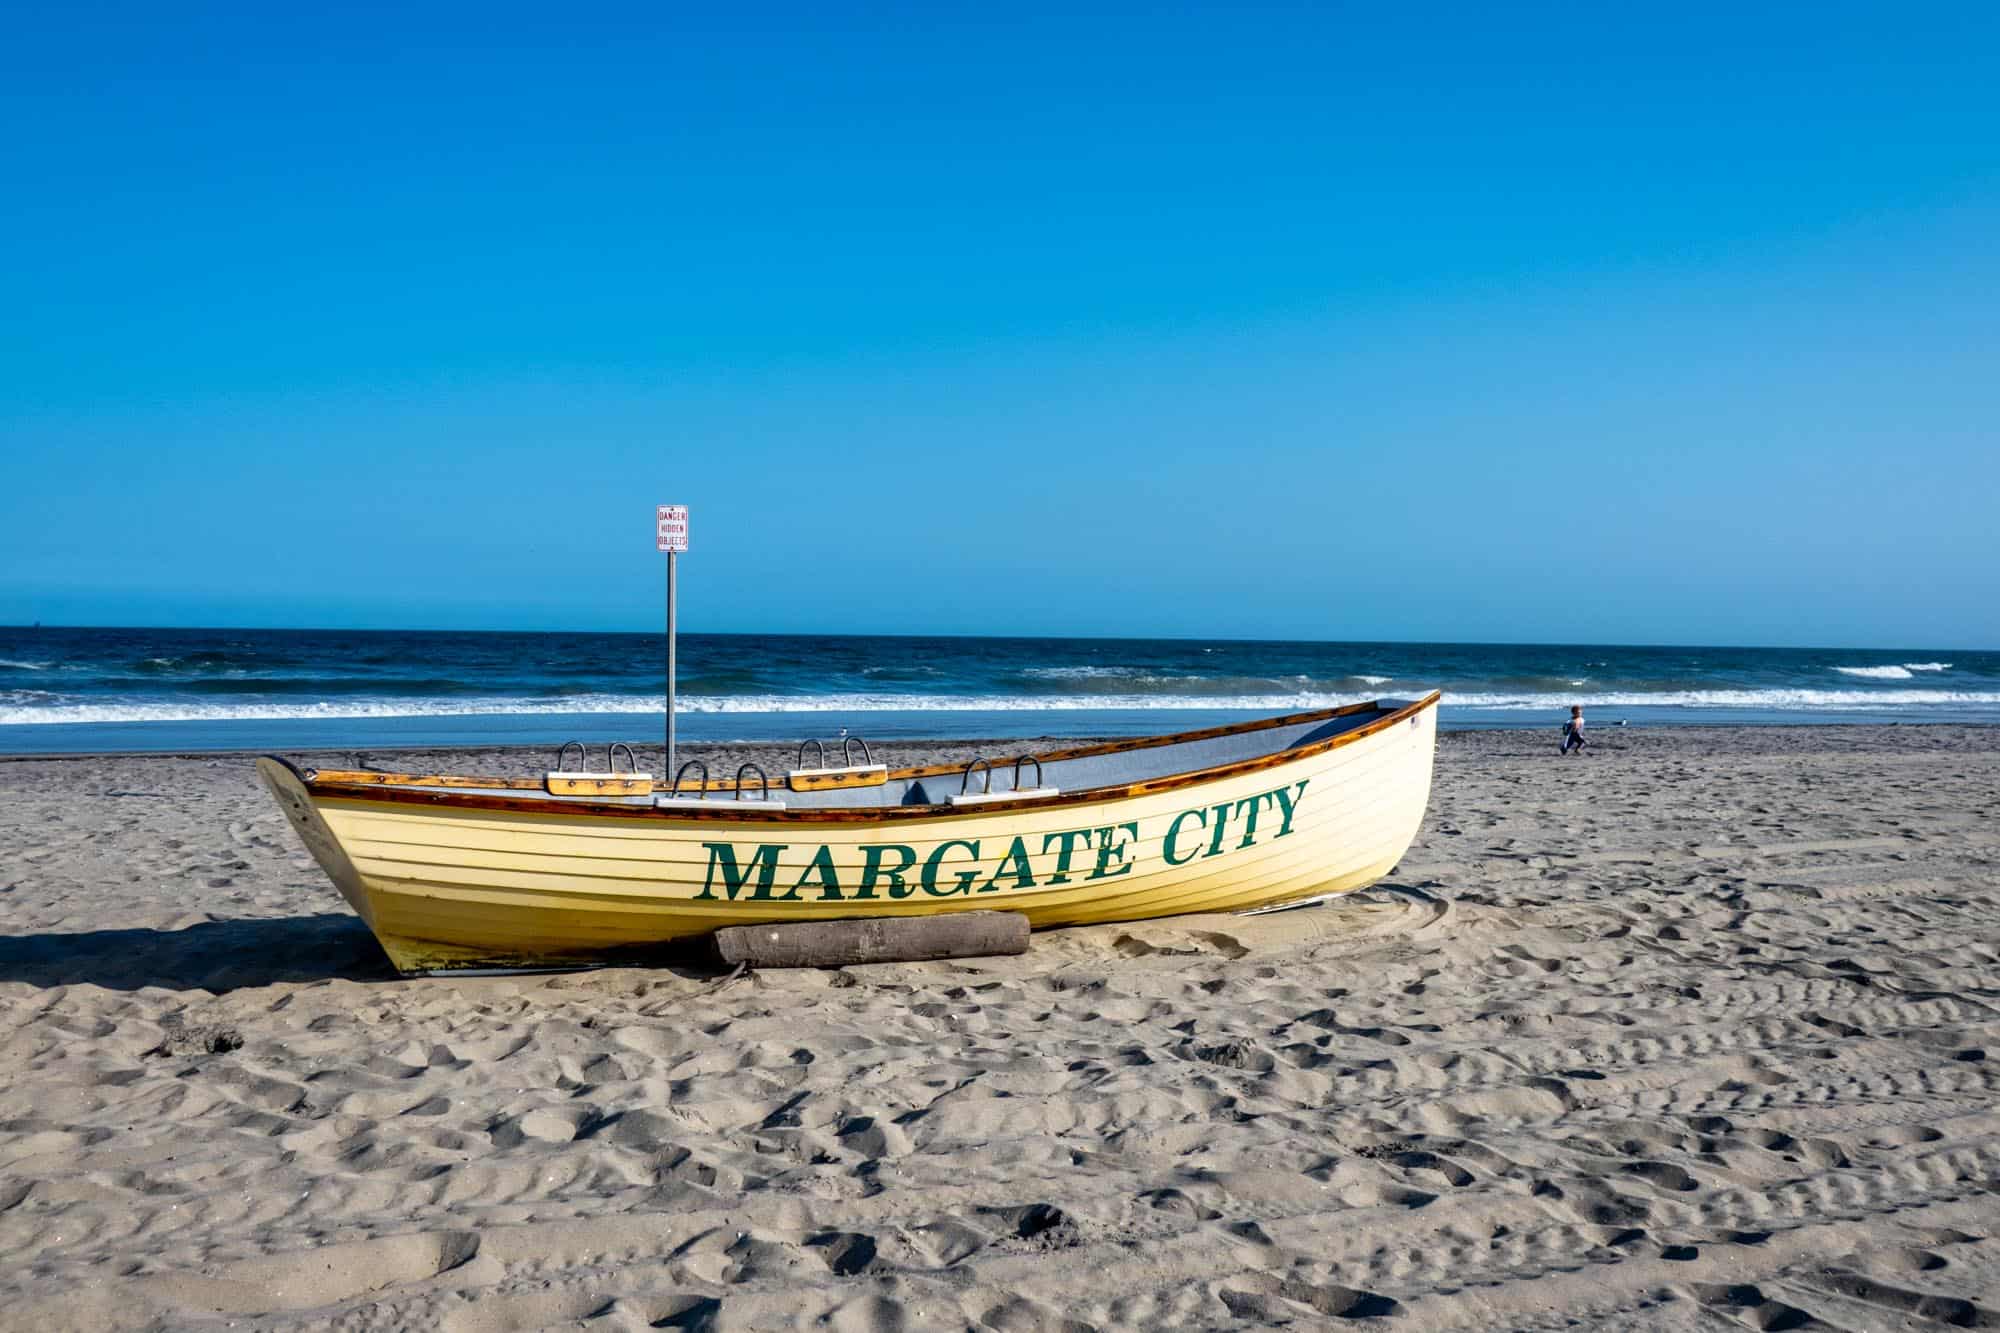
pixel 878 939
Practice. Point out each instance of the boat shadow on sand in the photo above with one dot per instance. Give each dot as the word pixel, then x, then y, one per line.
pixel 247 951
pixel 265 951
pixel 210 955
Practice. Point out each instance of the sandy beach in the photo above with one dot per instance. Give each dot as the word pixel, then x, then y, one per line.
pixel 1692 1032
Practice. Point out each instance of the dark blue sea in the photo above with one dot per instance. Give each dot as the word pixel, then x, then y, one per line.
pixel 147 689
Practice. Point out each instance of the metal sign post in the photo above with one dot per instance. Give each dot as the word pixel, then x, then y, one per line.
pixel 671 531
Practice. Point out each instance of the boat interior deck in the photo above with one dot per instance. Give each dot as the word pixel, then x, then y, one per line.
pixel 1086 772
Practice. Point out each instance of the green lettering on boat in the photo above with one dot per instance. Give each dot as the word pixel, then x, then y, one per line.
pixel 1288 800
pixel 1200 816
pixel 962 881
pixel 1069 839
pixel 1221 827
pixel 821 872
pixel 1024 870
pixel 764 865
pixel 873 871
pixel 1248 807
pixel 1111 849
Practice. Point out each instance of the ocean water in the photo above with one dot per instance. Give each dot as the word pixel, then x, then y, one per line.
pixel 135 689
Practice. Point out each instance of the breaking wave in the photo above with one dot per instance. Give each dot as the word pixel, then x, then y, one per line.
pixel 1893 672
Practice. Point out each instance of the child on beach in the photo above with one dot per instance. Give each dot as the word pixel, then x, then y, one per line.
pixel 1573 729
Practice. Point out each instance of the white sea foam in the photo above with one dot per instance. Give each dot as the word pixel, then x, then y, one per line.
pixel 1926 666
pixel 24 666
pixel 1877 672
pixel 1086 673
pixel 1374 680
pixel 26 699
pixel 15 710
pixel 1777 700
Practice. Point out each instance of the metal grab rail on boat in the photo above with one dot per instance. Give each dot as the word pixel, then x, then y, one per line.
pixel 582 781
pixel 819 777
pixel 610 758
pixel 697 796
pixel 847 744
pixel 966 796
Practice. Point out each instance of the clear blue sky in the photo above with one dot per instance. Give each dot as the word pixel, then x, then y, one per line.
pixel 1382 322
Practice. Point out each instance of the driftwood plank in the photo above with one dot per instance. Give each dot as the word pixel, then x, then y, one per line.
pixel 890 939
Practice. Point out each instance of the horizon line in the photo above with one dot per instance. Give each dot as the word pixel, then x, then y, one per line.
pixel 1086 638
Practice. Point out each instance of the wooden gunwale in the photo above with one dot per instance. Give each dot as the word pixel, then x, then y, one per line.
pixel 371 789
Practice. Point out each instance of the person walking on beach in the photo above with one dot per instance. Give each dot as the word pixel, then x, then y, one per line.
pixel 1573 729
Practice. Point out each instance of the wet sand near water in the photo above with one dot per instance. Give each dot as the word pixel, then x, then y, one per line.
pixel 1696 1031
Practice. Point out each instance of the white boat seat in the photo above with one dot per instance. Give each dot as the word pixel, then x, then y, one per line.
pixel 1026 794
pixel 713 803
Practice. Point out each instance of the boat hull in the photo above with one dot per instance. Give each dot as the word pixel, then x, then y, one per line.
pixel 448 885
